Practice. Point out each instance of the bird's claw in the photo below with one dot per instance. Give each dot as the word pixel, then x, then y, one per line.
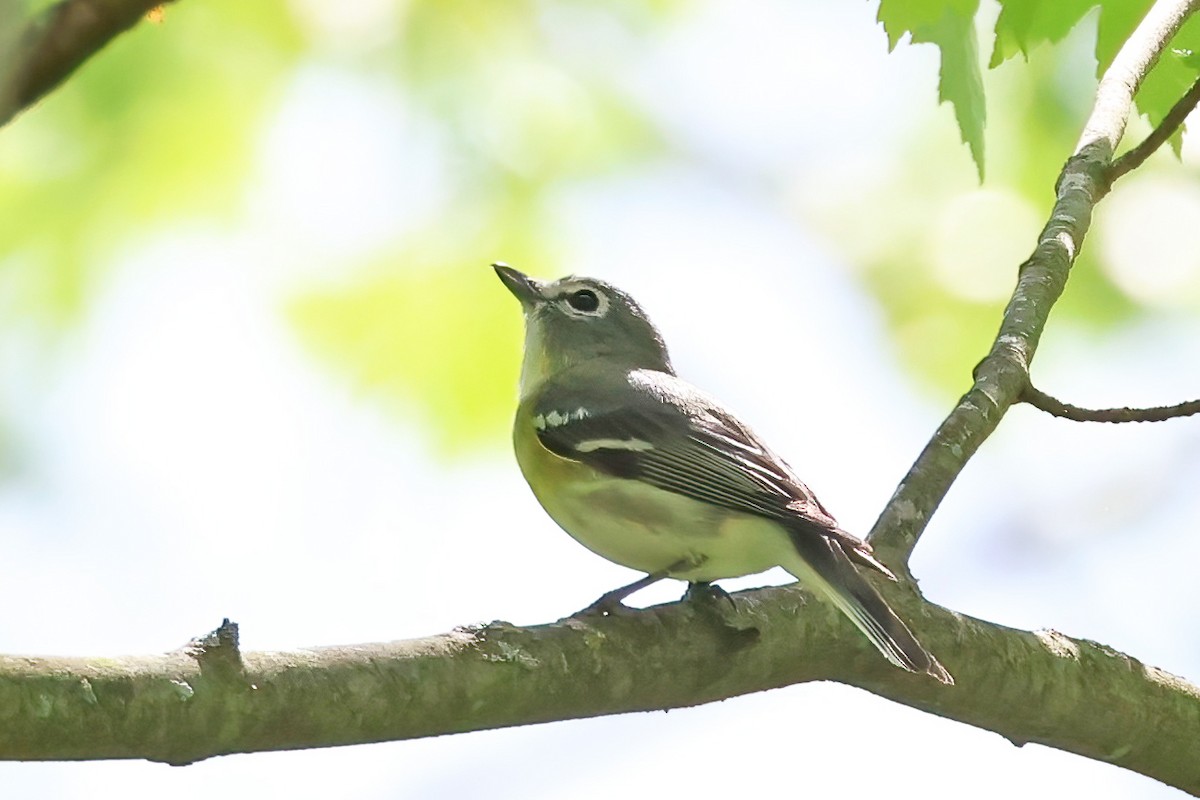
pixel 705 592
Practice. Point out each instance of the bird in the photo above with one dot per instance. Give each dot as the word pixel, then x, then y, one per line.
pixel 649 472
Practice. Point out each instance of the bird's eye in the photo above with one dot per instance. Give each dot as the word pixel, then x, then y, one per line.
pixel 584 300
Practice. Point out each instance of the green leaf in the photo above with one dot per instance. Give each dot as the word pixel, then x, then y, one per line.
pixel 900 17
pixel 912 16
pixel 1118 18
pixel 961 82
pixel 1024 24
pixel 1171 78
pixel 949 24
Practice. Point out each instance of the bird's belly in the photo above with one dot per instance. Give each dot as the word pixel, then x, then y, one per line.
pixel 650 529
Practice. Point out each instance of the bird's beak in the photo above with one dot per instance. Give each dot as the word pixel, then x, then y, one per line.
pixel 523 287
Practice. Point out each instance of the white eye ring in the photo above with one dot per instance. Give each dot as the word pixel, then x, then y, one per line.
pixel 585 302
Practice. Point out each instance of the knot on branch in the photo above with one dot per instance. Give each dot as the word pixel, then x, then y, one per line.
pixel 1087 171
pixel 218 653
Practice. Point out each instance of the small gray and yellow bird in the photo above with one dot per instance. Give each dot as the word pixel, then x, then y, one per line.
pixel 645 470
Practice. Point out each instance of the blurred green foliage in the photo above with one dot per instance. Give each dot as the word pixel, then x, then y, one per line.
pixel 162 127
pixel 423 322
pixel 1038 106
pixel 165 126
pixel 433 336
pixel 156 128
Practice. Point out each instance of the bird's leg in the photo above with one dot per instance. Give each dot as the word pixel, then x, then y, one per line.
pixel 610 602
pixel 706 591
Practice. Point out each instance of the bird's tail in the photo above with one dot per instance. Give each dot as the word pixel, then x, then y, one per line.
pixel 824 566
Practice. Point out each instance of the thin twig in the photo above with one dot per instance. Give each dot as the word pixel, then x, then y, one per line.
pixel 1170 123
pixel 1040 400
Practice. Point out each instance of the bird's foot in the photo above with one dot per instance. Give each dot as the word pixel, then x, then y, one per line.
pixel 707 592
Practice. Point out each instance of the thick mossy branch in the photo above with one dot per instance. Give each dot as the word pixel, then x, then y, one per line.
pixel 1001 377
pixel 1030 687
pixel 56 41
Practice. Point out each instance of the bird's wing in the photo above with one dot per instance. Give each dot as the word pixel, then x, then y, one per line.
pixel 658 429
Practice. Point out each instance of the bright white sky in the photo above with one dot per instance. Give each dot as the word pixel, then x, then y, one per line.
pixel 186 461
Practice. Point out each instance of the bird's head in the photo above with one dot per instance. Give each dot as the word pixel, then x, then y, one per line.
pixel 575 320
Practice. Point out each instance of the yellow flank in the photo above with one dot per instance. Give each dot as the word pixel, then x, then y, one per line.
pixel 643 527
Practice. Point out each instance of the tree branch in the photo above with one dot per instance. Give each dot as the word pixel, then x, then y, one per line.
pixel 1040 400
pixel 56 41
pixel 1003 374
pixel 1170 123
pixel 1114 95
pixel 206 699
pixel 210 698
